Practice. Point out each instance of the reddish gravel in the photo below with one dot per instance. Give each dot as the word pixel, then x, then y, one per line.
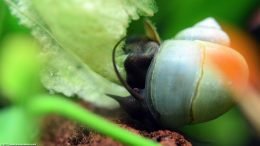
pixel 58 131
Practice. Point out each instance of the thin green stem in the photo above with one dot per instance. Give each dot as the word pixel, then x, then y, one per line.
pixel 46 104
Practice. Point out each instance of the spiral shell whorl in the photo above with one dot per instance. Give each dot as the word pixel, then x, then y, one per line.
pixel 206 30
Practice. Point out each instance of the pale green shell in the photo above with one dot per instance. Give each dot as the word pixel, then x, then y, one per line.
pixel 206 30
pixel 182 87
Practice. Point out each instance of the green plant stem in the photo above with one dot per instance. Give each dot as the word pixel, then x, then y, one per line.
pixel 46 104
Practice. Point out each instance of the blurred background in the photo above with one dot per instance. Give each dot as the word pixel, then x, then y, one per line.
pixel 239 18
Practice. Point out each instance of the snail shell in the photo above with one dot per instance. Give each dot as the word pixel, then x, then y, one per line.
pixel 190 77
pixel 206 30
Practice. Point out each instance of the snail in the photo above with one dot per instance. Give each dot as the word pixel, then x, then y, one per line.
pixel 187 78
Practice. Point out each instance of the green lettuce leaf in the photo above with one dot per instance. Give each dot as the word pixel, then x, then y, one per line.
pixel 78 37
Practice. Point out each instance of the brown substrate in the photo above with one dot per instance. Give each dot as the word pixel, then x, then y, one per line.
pixel 58 131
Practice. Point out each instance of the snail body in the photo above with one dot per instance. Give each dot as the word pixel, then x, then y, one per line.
pixel 190 77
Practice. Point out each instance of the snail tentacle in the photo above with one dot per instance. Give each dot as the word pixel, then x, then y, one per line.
pixel 128 88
